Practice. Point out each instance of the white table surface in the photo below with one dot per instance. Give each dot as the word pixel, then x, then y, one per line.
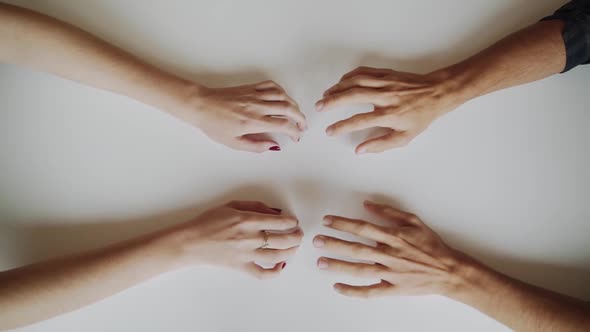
pixel 505 177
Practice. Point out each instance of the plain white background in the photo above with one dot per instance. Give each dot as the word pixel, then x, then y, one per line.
pixel 504 177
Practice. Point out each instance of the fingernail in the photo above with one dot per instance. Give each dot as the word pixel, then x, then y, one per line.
pixel 276 210
pixel 283 265
pixel 329 131
pixel 322 263
pixel 361 150
pixel 318 242
pixel 275 148
pixel 327 221
pixel 319 105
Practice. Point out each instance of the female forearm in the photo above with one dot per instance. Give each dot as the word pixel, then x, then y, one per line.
pixel 528 55
pixel 520 306
pixel 41 42
pixel 40 291
pixel 226 115
pixel 232 235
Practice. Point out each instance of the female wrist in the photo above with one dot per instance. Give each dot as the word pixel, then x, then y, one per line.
pixel 171 244
pixel 188 102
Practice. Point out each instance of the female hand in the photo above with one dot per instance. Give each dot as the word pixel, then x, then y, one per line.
pixel 239 235
pixel 233 116
pixel 409 258
pixel 405 103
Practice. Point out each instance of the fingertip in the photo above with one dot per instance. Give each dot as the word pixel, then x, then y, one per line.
pixel 322 263
pixel 319 105
pixel 318 241
pixel 302 126
pixel 327 220
pixel 330 131
pixel 338 287
pixel 361 149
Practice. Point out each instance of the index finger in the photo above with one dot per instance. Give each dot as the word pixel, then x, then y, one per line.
pixel 253 206
pixel 358 227
pixel 363 70
pixel 268 222
pixel 392 214
pixel 357 95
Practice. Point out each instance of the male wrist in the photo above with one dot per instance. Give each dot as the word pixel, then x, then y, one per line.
pixel 455 85
pixel 476 282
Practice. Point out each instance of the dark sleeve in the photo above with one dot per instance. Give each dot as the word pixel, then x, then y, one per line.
pixel 576 31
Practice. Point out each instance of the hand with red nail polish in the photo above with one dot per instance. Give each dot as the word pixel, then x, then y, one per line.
pixel 241 235
pixel 241 117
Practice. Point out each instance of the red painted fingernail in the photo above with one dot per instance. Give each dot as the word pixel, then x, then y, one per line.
pixel 275 148
pixel 283 266
pixel 276 210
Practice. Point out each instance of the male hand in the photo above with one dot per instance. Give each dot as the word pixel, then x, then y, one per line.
pixel 404 103
pixel 409 258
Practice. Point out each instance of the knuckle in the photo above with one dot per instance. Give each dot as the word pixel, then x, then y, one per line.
pixel 244 122
pixel 363 229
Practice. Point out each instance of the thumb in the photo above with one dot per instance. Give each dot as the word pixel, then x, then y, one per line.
pixel 250 144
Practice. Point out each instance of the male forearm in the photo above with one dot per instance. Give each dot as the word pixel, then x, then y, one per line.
pixel 520 306
pixel 528 55
pixel 40 291
pixel 37 41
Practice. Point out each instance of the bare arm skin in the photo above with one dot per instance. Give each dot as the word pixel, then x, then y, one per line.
pixel 228 236
pixel 411 259
pixel 227 115
pixel 408 103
